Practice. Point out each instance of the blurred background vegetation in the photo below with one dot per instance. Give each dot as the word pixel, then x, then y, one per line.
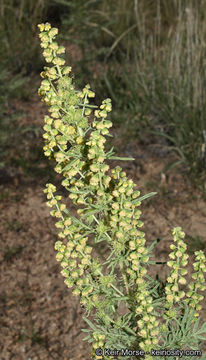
pixel 148 56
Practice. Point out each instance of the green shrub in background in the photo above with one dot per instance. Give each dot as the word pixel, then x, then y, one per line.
pixel 154 54
pixel 9 85
pixel 18 20
pixel 18 49
pixel 166 84
pixel 107 212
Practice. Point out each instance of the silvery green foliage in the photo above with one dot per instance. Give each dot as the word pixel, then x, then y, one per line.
pixel 107 211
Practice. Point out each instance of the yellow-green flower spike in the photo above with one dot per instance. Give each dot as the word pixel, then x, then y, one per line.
pixel 107 211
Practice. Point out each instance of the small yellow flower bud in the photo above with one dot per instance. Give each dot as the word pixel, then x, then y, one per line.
pixel 61 50
pixel 61 235
pixel 59 225
pixel 115 193
pixel 79 140
pixel 139 281
pixel 58 214
pixel 58 61
pixel 71 130
pixel 49 58
pixel 66 70
pixel 69 282
pixel 59 256
pixel 182 280
pixel 140 250
pixel 44 45
pixel 94 167
pixel 85 261
pixel 57 124
pixel 41 27
pixel 178 253
pixel 170 298
pixel 66 232
pixel 139 310
pixel 53 32
pixel 74 274
pixel 76 292
pixel 150 308
pixel 175 288
pixel 143 333
pixel 53 46
pixel 46 26
pixel 115 206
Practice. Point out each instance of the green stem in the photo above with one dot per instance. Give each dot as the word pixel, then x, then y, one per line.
pixel 57 206
pixel 85 99
pixel 114 287
pixel 59 71
pixel 95 219
pixel 124 277
pixel 88 106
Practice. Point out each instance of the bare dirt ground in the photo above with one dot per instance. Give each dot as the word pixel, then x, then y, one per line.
pixel 39 317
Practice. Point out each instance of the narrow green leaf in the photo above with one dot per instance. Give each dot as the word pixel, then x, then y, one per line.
pixel 120 158
pixel 68 166
pixel 155 242
pixel 143 197
pixel 90 323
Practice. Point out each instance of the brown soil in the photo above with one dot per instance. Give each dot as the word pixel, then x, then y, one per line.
pixel 40 318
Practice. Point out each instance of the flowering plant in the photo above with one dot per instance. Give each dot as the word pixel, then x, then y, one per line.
pixel 154 322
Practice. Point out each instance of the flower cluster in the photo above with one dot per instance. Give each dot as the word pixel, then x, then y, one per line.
pixel 76 247
pixel 126 238
pixel 193 297
pixel 107 211
pixel 98 343
pixel 179 260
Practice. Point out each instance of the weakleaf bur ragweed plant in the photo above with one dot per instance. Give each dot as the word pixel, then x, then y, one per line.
pixel 108 211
